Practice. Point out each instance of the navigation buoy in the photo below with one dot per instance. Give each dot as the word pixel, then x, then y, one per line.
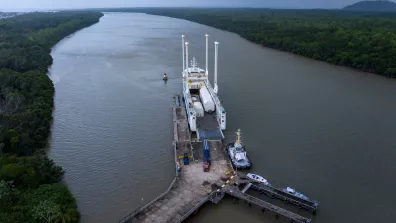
pixel 165 78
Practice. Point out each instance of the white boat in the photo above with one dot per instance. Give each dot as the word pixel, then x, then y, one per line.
pixel 237 153
pixel 196 85
pixel 293 192
pixel 257 178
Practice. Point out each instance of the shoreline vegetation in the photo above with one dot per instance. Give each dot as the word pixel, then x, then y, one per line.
pixel 361 40
pixel 30 182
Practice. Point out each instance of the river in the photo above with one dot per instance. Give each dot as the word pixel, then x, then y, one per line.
pixel 325 130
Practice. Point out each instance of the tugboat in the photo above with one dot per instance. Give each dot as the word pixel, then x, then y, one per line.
pixel 165 78
pixel 237 153
pixel 293 192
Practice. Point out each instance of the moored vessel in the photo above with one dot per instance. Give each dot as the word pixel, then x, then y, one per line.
pixel 203 106
pixel 295 193
pixel 237 153
pixel 258 178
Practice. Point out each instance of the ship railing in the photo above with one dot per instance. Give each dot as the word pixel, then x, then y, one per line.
pixel 214 96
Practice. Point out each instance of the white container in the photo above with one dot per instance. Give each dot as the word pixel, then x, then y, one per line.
pixel 206 99
pixel 198 109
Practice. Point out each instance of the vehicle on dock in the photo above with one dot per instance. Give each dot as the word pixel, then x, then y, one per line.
pixel 203 106
pixel 295 193
pixel 206 166
pixel 186 160
pixel 258 178
pixel 237 153
pixel 206 151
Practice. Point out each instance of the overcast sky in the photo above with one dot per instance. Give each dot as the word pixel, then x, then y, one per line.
pixel 7 5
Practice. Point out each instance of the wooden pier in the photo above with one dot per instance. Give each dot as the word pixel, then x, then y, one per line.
pixel 192 187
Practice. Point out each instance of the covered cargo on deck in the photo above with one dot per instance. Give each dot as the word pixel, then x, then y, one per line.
pixel 199 110
pixel 206 99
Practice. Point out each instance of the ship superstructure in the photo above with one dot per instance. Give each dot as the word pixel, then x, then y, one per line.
pixel 200 98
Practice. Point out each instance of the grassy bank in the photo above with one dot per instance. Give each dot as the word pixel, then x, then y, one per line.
pixel 30 189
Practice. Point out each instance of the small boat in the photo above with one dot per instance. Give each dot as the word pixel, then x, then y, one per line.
pixel 293 192
pixel 165 78
pixel 257 178
pixel 237 153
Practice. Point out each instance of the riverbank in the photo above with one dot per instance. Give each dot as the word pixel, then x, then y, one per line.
pixel 30 183
pixel 354 39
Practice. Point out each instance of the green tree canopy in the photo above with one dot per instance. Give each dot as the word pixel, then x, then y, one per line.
pixel 362 40
pixel 29 181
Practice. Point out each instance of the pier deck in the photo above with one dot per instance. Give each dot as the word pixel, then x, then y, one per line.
pixel 188 191
pixel 192 187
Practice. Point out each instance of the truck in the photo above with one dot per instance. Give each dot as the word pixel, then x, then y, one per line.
pixel 206 155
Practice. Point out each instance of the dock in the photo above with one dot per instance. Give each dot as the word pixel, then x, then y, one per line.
pixel 288 198
pixel 192 187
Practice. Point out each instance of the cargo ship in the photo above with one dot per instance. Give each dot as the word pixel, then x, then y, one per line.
pixel 203 106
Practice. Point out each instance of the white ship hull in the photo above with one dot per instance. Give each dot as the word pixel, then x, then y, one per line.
pixel 192 114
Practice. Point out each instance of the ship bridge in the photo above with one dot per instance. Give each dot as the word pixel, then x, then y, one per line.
pixel 194 69
pixel 195 76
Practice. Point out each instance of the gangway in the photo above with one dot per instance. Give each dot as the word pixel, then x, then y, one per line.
pixel 210 134
pixel 246 187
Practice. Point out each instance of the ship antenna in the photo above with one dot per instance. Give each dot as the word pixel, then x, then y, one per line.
pixel 183 52
pixel 216 88
pixel 239 137
pixel 206 37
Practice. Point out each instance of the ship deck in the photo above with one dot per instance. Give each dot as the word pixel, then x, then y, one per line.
pixel 208 121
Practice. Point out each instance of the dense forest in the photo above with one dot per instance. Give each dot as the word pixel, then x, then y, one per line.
pixel 8 14
pixel 30 188
pixel 362 40
pixel 373 6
